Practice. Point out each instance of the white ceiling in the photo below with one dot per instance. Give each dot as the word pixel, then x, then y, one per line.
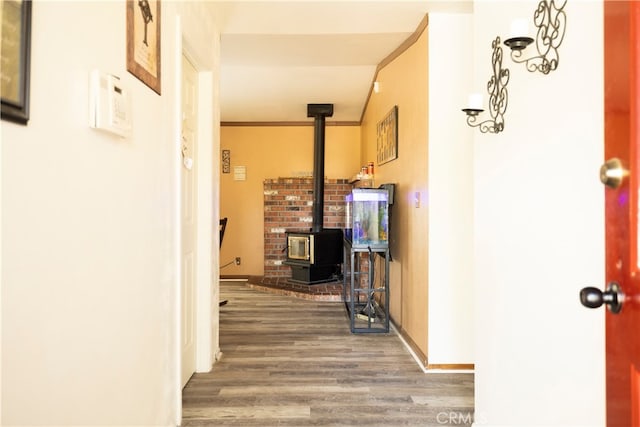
pixel 279 56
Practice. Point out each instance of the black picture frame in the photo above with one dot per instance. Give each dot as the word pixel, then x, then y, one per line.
pixel 15 60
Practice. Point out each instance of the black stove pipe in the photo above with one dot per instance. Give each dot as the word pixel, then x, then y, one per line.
pixel 318 112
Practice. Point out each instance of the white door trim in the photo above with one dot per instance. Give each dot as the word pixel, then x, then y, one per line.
pixel 208 252
pixel 206 218
pixel 189 216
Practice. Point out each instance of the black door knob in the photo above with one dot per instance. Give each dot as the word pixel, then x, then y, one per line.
pixel 613 297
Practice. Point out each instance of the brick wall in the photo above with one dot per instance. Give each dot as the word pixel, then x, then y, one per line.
pixel 288 207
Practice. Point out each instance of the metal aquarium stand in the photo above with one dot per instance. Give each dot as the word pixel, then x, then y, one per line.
pixel 366 300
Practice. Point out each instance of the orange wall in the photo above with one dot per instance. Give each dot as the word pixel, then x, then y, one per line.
pixel 404 82
pixel 271 152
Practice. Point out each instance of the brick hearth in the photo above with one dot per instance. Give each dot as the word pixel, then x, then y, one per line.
pixel 331 291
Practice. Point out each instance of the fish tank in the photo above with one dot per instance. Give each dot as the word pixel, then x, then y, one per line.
pixel 367 218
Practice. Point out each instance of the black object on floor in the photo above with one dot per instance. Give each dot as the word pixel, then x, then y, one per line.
pixel 223 227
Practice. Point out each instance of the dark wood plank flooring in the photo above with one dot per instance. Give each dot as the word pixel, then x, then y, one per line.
pixel 293 362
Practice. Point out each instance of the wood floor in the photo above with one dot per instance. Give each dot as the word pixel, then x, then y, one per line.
pixel 293 362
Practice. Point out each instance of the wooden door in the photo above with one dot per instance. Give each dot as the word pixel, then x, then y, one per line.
pixel 622 126
pixel 188 179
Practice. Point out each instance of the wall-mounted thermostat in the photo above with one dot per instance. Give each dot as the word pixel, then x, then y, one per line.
pixel 109 104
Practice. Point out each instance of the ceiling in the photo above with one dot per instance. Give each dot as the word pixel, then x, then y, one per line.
pixel 279 56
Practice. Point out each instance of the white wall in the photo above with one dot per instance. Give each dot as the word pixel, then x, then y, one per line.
pixel 539 230
pixel 450 191
pixel 1 316
pixel 88 231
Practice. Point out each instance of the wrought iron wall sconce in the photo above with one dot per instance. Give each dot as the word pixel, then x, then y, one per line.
pixel 551 22
pixel 498 96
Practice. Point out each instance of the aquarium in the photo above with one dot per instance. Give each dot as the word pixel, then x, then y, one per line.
pixel 367 217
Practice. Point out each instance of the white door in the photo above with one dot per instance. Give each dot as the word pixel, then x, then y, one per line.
pixel 189 228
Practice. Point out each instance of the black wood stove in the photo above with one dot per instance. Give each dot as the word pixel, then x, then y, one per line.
pixel 315 256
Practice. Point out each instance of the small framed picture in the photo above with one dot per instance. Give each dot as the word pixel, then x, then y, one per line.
pixel 226 161
pixel 143 41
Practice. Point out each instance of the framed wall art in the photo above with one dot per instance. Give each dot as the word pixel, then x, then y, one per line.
pixel 15 58
pixel 387 137
pixel 143 41
pixel 226 161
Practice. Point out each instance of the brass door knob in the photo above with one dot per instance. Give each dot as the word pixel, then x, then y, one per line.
pixel 612 173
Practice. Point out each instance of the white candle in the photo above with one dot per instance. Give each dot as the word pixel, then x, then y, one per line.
pixel 475 101
pixel 519 28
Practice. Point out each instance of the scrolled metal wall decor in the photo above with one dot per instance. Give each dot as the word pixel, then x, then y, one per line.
pixel 551 22
pixel 498 95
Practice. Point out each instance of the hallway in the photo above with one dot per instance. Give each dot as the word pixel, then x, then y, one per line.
pixel 293 362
